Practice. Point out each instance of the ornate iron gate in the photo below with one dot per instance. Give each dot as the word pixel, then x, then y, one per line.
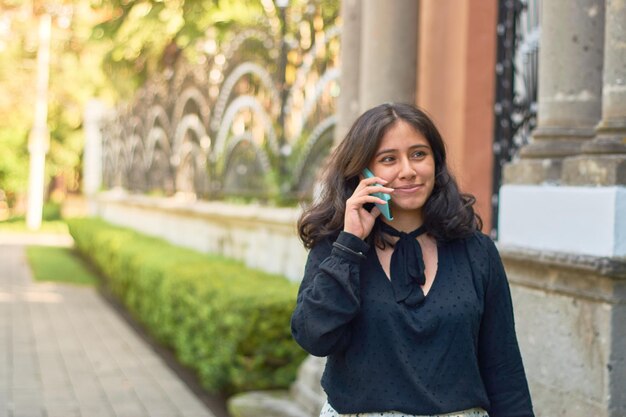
pixel 251 117
pixel 515 108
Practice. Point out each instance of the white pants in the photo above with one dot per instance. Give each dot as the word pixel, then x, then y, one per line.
pixel 329 411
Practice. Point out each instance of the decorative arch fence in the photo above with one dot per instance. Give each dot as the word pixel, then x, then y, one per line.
pixel 251 116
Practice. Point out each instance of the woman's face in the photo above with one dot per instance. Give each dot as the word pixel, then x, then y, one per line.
pixel 405 159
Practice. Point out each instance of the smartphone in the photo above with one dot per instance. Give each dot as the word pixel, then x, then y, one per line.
pixel 384 208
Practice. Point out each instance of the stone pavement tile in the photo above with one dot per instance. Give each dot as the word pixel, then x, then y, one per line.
pixel 62 410
pixel 122 397
pixel 4 402
pixel 90 406
pixel 96 412
pixel 126 409
pixel 31 411
pixel 87 386
pixel 64 351
pixel 63 413
pixel 26 396
pixel 173 388
pixel 25 382
pixel 154 400
pixel 183 399
pixel 138 375
pixel 58 394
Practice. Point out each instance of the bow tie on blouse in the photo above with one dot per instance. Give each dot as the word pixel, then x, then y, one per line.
pixel 407 266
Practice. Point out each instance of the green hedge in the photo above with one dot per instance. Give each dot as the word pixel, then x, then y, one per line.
pixel 228 322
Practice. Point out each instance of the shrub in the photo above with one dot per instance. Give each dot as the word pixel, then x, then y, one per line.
pixel 51 211
pixel 228 322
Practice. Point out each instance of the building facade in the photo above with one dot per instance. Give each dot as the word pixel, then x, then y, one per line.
pixel 562 208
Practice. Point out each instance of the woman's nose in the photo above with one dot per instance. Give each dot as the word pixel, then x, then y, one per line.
pixel 406 169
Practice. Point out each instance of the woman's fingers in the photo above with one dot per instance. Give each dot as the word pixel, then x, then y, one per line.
pixel 375 212
pixel 371 189
pixel 358 220
pixel 368 186
pixel 371 181
pixel 366 198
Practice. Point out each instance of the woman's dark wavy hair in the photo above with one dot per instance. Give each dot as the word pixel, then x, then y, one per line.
pixel 448 214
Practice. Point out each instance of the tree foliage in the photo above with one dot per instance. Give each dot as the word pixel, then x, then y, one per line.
pixel 142 37
pixel 74 77
pixel 104 49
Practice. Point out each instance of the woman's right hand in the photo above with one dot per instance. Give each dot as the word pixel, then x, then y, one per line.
pixel 357 220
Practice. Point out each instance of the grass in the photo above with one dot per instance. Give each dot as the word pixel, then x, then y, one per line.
pixel 18 225
pixel 59 265
pixel 52 221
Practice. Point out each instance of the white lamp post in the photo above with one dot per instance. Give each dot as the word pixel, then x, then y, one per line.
pixel 39 139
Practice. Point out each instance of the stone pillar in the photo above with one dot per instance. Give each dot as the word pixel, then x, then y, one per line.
pixel 92 158
pixel 570 89
pixel 562 228
pixel 604 159
pixel 350 60
pixel 388 52
pixel 378 64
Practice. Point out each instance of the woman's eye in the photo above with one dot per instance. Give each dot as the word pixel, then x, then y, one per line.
pixel 387 159
pixel 419 154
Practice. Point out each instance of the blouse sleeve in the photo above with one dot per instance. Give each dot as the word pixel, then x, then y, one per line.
pixel 328 298
pixel 500 360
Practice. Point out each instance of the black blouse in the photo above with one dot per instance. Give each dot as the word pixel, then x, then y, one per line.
pixel 455 350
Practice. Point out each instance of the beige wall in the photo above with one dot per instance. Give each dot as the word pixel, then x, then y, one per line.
pixel 262 237
pixel 456 84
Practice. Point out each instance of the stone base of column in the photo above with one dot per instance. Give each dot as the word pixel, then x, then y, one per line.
pixel 594 169
pixel 606 144
pixel 557 142
pixel 533 171
pixel 569 321
pixel 541 160
pixel 580 220
pixel 564 249
pixel 610 139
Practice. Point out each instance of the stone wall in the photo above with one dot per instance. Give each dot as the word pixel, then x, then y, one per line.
pixel 567 311
pixel 261 237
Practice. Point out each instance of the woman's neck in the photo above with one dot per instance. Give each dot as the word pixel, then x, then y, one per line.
pixel 405 221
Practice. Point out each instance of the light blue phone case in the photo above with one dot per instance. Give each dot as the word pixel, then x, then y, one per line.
pixel 384 208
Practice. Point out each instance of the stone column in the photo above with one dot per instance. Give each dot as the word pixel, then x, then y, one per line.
pixel 564 244
pixel 604 159
pixel 92 158
pixel 388 52
pixel 570 88
pixel 350 60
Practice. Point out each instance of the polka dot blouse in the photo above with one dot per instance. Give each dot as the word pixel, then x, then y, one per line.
pixel 455 350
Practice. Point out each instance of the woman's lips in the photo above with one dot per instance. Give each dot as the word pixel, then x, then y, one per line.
pixel 407 189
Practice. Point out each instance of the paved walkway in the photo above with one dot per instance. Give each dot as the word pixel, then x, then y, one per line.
pixel 65 352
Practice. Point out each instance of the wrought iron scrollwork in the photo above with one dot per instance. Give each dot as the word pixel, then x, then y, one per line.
pixel 515 108
pixel 252 117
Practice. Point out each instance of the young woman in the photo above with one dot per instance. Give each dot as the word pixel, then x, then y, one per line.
pixel 414 314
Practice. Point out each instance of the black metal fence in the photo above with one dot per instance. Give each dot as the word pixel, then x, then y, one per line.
pixel 251 117
pixel 515 107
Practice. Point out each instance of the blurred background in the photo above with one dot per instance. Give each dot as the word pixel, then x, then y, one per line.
pixel 167 146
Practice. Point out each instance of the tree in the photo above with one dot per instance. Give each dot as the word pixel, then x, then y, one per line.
pixel 142 37
pixel 75 76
